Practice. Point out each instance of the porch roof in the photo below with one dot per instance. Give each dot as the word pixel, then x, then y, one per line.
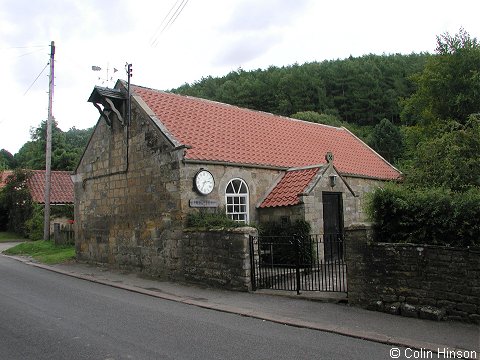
pixel 288 190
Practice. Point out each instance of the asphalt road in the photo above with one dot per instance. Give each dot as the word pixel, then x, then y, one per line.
pixel 45 315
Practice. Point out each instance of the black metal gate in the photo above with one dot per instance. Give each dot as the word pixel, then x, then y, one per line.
pixel 313 263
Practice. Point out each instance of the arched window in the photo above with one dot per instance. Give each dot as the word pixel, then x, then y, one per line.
pixel 236 199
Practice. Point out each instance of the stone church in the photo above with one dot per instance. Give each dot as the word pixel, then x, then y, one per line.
pixel 155 156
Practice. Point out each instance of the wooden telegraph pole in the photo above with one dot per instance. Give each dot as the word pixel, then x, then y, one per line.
pixel 48 156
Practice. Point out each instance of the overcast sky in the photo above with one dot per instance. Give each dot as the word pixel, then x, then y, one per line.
pixel 208 37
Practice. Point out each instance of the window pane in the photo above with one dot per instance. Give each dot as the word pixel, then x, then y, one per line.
pixel 234 186
pixel 236 198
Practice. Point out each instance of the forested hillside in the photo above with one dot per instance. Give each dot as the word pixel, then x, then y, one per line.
pixel 360 91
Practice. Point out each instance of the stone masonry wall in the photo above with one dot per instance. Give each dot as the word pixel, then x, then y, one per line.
pixel 218 258
pixel 426 281
pixel 127 198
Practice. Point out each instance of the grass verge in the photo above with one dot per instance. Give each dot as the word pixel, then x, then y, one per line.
pixel 6 236
pixel 44 251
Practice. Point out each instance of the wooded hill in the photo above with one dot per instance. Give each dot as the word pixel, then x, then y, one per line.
pixel 361 90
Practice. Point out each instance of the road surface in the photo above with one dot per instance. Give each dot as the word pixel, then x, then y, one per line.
pixel 45 315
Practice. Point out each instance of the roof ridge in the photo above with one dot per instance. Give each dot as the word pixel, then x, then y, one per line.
pixel 373 150
pixel 57 171
pixel 200 99
pixel 307 167
pixel 226 133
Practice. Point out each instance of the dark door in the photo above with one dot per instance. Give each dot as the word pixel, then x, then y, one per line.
pixel 333 225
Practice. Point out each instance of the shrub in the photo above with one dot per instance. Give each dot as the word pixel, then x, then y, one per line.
pixel 16 198
pixel 429 216
pixel 206 219
pixel 298 228
pixel 282 235
pixel 34 225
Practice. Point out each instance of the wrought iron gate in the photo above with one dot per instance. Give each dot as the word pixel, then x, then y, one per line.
pixel 313 263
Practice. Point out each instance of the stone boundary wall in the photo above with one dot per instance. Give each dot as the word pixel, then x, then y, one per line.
pixel 426 281
pixel 218 258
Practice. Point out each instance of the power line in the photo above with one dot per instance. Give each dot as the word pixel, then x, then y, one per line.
pixel 181 5
pixel 34 81
pixel 155 36
pixel 163 20
pixel 186 2
pixel 24 47
pixel 29 53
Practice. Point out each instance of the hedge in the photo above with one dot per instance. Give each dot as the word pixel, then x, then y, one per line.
pixel 427 216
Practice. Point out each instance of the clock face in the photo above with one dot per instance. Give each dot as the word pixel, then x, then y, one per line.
pixel 204 182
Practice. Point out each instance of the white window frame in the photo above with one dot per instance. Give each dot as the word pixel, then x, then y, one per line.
pixel 237 202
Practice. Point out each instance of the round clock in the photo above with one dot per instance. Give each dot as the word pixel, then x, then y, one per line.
pixel 204 182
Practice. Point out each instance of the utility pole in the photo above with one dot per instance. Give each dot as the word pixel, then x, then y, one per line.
pixel 48 156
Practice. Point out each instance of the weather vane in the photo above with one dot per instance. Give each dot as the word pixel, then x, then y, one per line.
pixel 108 77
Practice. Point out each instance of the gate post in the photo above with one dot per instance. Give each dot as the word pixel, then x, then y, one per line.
pixel 253 276
pixel 56 234
pixel 296 239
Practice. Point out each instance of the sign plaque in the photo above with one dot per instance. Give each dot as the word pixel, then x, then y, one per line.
pixel 203 203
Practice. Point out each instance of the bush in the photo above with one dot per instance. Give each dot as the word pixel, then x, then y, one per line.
pixel 16 199
pixel 428 216
pixel 34 225
pixel 206 219
pixel 281 236
pixel 299 228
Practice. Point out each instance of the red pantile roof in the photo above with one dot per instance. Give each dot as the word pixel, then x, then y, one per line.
pixel 225 133
pixel 61 191
pixel 3 177
pixel 288 189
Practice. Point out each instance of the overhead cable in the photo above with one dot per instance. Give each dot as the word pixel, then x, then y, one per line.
pixel 34 81
pixel 172 17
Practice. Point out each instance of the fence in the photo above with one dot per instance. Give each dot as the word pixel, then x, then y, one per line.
pixel 63 234
pixel 313 263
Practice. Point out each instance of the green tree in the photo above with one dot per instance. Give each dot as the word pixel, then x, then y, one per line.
pixel 32 154
pixel 315 117
pixel 450 160
pixel 331 118
pixel 360 90
pixel 7 161
pixel 449 86
pixel 16 199
pixel 444 148
pixel 67 148
pixel 387 140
